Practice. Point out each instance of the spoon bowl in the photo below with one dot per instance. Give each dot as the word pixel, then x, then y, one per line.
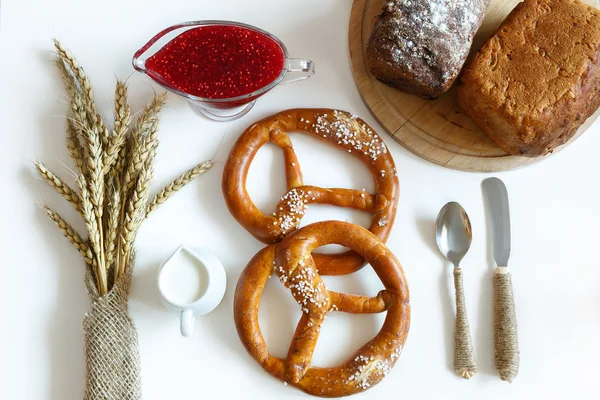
pixel 453 232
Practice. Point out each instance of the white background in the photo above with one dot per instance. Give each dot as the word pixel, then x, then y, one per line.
pixel 553 203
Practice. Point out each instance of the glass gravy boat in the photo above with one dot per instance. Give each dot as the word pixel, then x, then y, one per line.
pixel 221 109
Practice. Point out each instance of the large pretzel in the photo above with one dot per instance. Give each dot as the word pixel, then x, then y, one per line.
pixel 339 128
pixel 291 260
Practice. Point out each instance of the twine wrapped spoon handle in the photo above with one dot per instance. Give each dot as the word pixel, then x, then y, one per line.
pixel 506 343
pixel 464 358
pixel 453 236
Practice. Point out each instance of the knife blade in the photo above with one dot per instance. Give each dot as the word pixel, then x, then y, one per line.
pixel 497 198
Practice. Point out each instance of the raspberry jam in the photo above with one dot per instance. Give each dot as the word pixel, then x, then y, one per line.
pixel 218 61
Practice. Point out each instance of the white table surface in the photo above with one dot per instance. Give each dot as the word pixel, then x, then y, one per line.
pixel 553 205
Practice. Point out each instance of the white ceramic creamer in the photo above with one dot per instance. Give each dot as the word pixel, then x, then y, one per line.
pixel 191 282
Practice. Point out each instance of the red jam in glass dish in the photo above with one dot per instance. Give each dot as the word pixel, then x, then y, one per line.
pixel 218 61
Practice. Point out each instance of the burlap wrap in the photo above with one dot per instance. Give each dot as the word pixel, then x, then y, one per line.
pixel 111 344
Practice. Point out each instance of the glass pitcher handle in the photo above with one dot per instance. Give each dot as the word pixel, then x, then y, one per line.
pixel 298 69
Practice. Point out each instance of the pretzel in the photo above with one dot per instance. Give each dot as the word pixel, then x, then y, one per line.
pixel 292 262
pixel 344 131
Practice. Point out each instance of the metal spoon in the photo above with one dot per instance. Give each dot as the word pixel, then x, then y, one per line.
pixel 453 236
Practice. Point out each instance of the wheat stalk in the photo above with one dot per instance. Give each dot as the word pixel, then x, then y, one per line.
pixel 65 190
pixel 177 184
pixel 72 236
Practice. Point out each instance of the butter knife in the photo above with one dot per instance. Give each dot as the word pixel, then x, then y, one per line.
pixel 506 344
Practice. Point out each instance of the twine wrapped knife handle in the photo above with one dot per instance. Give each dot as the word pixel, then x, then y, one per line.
pixel 464 359
pixel 506 344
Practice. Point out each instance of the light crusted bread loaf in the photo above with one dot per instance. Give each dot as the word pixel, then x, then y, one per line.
pixel 420 46
pixel 537 79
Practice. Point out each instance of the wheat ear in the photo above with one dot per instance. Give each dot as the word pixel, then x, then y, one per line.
pixel 94 189
pixel 80 121
pixel 86 90
pixel 140 153
pixel 114 209
pixel 88 214
pixel 93 154
pixel 122 121
pixel 119 166
pixel 65 190
pixel 144 140
pixel 75 149
pixel 177 184
pixel 135 213
pixel 91 223
pixel 71 235
pixel 95 168
pixel 67 77
pixel 76 69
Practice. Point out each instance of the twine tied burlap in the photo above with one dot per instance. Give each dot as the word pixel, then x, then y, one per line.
pixel 464 359
pixel 111 344
pixel 506 344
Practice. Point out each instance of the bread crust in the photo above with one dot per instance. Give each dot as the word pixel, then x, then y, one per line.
pixel 537 79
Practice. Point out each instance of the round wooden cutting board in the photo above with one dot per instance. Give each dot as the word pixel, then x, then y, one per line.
pixel 435 130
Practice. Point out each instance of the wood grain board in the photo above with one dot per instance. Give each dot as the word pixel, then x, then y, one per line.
pixel 435 130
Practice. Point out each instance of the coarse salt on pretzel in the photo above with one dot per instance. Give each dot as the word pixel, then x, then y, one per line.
pixel 338 128
pixel 292 262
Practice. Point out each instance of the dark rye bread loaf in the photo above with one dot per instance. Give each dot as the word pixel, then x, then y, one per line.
pixel 419 46
pixel 537 79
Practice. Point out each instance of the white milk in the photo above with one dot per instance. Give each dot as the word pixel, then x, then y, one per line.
pixel 184 279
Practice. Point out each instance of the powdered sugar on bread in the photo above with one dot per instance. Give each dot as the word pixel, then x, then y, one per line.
pixel 426 41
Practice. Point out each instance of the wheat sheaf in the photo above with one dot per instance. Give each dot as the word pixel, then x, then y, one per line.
pixel 114 167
